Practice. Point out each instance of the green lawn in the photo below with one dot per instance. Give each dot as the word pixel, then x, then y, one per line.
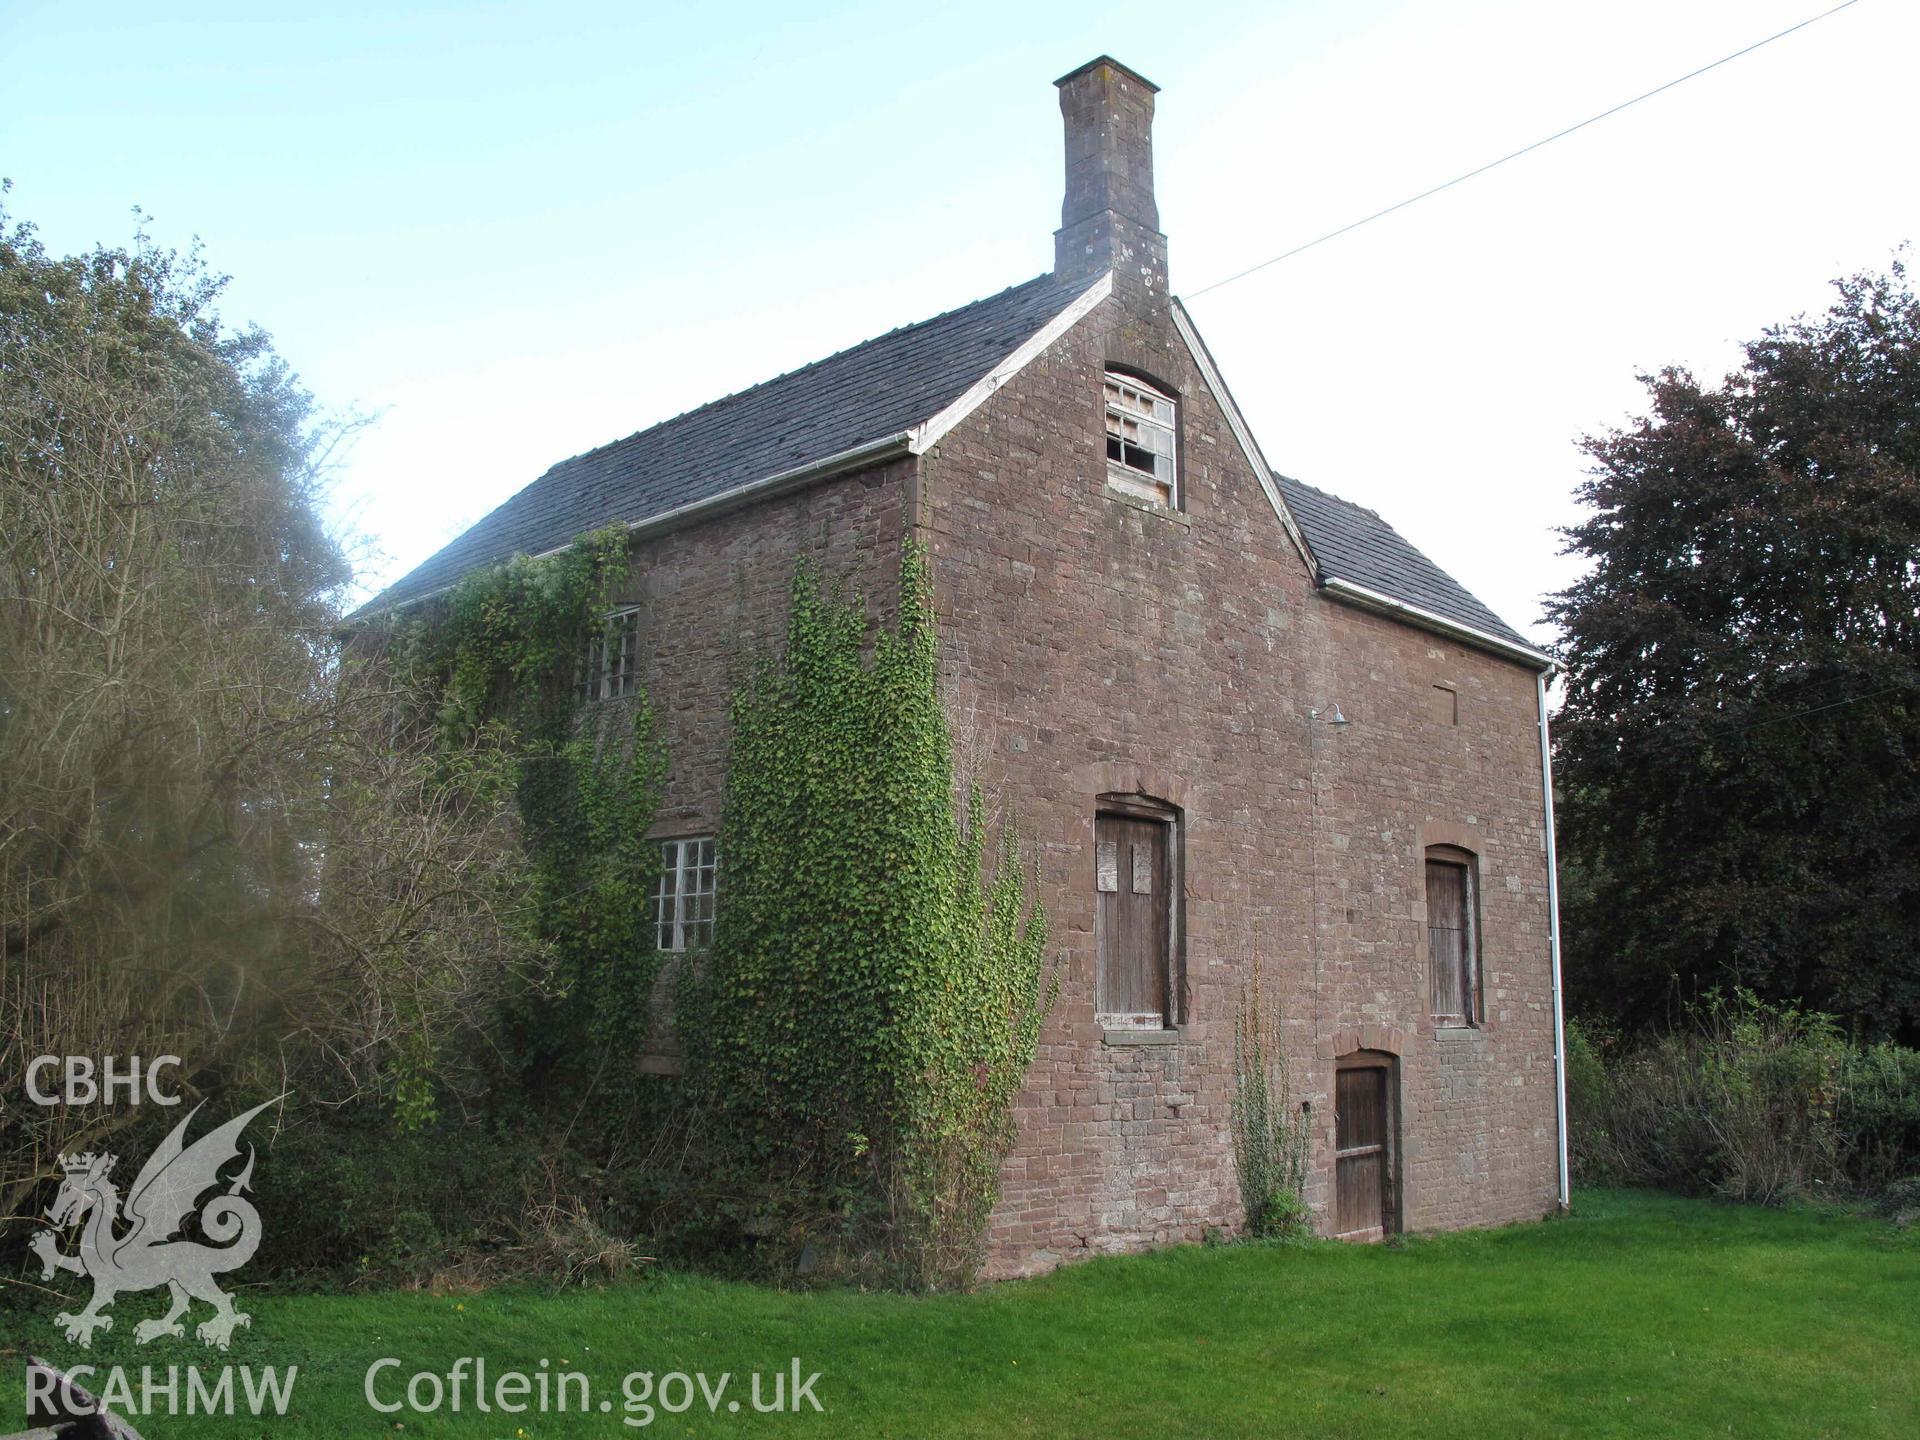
pixel 1641 1316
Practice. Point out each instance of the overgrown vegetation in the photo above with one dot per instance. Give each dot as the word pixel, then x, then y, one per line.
pixel 212 842
pixel 506 1138
pixel 1747 1101
pixel 1269 1132
pixel 396 868
pixel 502 657
pixel 872 1002
pixel 1878 1115
pixel 388 869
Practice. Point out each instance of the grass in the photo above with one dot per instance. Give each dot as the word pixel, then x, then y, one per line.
pixel 1640 1315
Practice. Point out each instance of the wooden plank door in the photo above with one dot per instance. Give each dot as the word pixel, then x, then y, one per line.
pixel 1362 1158
pixel 1132 921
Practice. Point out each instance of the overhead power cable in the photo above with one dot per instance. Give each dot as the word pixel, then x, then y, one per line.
pixel 1523 150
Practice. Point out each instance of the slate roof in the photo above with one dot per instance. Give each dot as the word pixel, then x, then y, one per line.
pixel 861 395
pixel 1352 543
pixel 856 397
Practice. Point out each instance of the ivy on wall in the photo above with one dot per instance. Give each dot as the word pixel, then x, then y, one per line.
pixel 872 1001
pixel 858 1034
pixel 586 781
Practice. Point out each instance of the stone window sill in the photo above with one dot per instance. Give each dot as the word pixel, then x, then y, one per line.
pixel 1160 512
pixel 1140 1037
pixel 1457 1032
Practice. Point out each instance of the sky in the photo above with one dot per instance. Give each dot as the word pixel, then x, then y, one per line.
pixel 514 232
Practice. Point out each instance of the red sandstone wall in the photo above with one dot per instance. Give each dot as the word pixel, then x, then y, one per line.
pixel 1091 645
pixel 715 597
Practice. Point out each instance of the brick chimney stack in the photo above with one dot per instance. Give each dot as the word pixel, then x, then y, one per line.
pixel 1108 220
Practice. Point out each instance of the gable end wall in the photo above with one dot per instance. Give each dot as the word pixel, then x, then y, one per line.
pixel 1091 645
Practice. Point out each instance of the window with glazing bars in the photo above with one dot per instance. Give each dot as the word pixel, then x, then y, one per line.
pixel 683 896
pixel 1141 459
pixel 610 667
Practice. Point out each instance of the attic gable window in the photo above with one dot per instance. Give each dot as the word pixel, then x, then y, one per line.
pixel 610 666
pixel 1141 458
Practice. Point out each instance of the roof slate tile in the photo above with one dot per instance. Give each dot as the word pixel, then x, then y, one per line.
pixel 1352 543
pixel 853 398
pixel 859 396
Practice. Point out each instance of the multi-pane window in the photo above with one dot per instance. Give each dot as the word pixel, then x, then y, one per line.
pixel 683 896
pixel 1140 441
pixel 610 667
pixel 1453 936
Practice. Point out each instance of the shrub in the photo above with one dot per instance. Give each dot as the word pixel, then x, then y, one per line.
pixel 1739 1103
pixel 1590 1100
pixel 1880 1115
pixel 1746 1100
pixel 345 1198
pixel 1900 1201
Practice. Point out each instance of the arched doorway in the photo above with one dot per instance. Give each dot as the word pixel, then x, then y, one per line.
pixel 1366 1130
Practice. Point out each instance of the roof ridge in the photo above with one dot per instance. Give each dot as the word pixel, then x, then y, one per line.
pixel 844 350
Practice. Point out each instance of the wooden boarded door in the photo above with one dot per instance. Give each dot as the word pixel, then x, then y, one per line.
pixel 1132 921
pixel 1363 1151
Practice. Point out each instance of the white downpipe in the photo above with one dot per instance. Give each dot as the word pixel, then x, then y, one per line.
pixel 1553 940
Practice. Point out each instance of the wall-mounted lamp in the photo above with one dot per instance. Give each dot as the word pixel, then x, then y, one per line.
pixel 1332 717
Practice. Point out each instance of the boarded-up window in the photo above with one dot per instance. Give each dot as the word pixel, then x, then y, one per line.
pixel 1133 920
pixel 1453 936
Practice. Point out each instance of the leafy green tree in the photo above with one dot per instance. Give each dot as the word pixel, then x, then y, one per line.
pixel 1739 741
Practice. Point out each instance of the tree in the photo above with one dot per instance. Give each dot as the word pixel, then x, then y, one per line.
pixel 215 840
pixel 1739 741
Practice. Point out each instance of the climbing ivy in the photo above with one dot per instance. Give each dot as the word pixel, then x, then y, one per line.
pixel 872 1001
pixel 502 653
pixel 505 641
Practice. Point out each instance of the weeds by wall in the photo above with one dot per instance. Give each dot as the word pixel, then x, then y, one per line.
pixel 1270 1132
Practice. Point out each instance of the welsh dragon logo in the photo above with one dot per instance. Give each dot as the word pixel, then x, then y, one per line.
pixel 139 1248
